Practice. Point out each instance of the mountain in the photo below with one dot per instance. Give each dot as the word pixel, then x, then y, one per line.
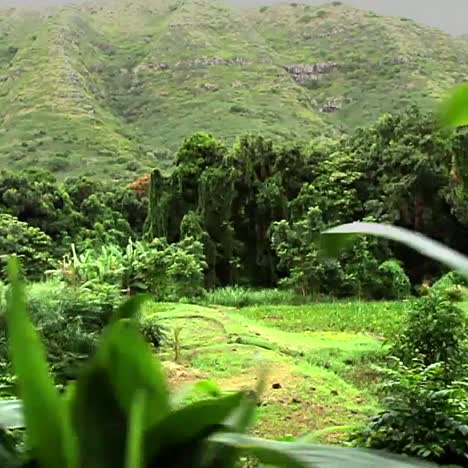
pixel 381 63
pixel 111 88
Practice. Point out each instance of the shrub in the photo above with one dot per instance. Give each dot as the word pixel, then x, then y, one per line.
pixel 30 244
pixel 392 281
pixel 450 285
pixel 421 416
pixel 153 332
pixel 313 84
pixel 425 408
pixel 435 332
pixel 454 293
pixel 169 271
pixel 306 19
pixel 237 109
pixel 69 320
pixel 450 279
pixel 361 267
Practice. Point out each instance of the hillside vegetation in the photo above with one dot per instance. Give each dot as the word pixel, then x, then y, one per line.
pixel 110 89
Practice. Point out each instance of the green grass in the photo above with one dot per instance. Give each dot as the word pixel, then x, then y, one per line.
pixel 377 318
pixel 236 296
pixel 325 376
pixel 81 93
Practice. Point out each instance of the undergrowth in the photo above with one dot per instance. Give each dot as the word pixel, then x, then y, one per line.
pixel 236 296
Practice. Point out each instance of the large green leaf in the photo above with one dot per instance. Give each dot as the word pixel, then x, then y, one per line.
pixel 100 423
pixel 238 422
pixel 241 419
pixel 454 108
pixel 135 437
pixel 48 426
pixel 298 455
pixel 11 414
pixel 334 239
pixel 131 367
pixel 190 424
pixel 104 396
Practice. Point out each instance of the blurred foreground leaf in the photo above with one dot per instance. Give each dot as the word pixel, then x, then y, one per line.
pixel 336 238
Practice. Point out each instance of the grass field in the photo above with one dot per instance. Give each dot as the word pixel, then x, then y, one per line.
pixel 319 357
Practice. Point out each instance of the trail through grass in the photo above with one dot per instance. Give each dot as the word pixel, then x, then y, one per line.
pixel 319 359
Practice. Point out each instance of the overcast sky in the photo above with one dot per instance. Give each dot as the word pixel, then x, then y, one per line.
pixel 450 15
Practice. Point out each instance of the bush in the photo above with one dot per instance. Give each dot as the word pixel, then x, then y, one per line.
pixel 306 19
pixel 435 332
pixel 30 244
pixel 171 271
pixel 312 84
pixel 421 416
pixel 168 271
pixel 153 332
pixel 451 285
pixel 426 395
pixel 69 320
pixel 392 282
pixel 454 293
pixel 237 109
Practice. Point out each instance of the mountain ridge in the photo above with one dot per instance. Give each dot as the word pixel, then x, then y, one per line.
pixel 111 88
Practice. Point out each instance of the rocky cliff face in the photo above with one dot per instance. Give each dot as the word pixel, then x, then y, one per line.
pixel 302 73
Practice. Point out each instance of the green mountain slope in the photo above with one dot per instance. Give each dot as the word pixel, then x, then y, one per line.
pixel 375 64
pixel 205 68
pixel 110 89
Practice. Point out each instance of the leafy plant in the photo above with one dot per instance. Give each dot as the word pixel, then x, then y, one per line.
pixel 435 333
pixel 451 285
pixel 153 332
pixel 30 244
pixel 168 271
pixel 119 413
pixel 420 417
pixel 69 320
pixel 392 281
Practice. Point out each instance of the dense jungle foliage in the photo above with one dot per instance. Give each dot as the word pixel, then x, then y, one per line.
pixel 254 210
